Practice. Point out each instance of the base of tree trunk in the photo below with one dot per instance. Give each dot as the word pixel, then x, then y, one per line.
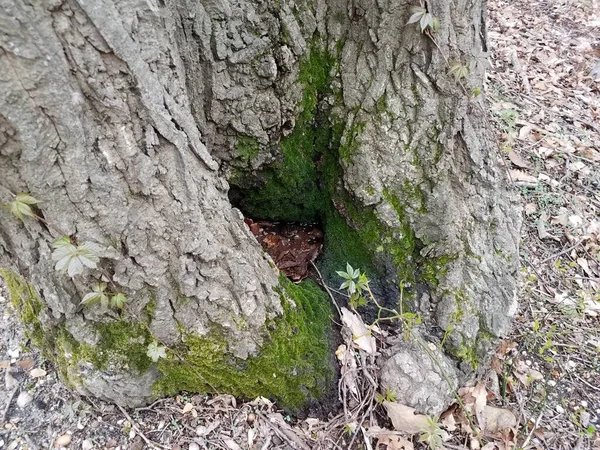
pixel 295 366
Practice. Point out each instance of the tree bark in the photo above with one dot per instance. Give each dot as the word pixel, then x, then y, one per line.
pixel 129 120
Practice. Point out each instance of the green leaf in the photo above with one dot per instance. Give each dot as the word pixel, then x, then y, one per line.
pixel 417 13
pixel 459 71
pixel 155 351
pixel 349 269
pixel 426 22
pixel 73 259
pixel 20 208
pixel 118 301
pixel 97 295
pixel 344 275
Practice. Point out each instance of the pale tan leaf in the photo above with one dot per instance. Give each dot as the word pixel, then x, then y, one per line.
pixel 63 440
pixel 497 419
pixel 584 264
pixel 480 394
pixel 361 335
pixel 231 444
pixel 404 418
pixel 394 442
pixel 516 159
pixel 530 208
pixel 523 179
pixel 526 374
pixel 37 373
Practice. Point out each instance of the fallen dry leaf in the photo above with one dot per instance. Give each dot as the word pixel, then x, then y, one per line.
pixel 497 419
pixel 526 374
pixel 394 442
pixel 37 373
pixel 187 408
pixel 404 418
pixel 516 159
pixel 522 179
pixel 360 333
pixel 63 440
pixel 26 363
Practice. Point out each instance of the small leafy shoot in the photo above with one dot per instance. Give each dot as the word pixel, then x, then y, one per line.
pixel 118 301
pixel 459 71
pixel 425 19
pixel 97 295
pixel 355 283
pixel 432 434
pixel 72 258
pixel 20 208
pixel 155 351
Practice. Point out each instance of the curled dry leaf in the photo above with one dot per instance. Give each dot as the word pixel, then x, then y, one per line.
pixel 63 441
pixel 516 159
pixel 526 374
pixel 37 373
pixel 497 419
pixel 522 179
pixel 394 442
pixel 187 408
pixel 361 335
pixel 404 418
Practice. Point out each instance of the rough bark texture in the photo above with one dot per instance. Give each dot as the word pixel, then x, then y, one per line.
pixel 127 118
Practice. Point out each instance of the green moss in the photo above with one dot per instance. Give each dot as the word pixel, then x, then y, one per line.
pixel 351 144
pixel 292 367
pixel 432 269
pixel 26 303
pixel 247 148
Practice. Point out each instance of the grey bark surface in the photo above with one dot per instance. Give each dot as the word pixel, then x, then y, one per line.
pixel 123 116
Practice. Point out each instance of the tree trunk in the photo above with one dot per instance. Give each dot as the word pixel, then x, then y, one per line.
pixel 138 124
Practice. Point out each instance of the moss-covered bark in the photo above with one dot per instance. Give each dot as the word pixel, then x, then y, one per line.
pixel 294 366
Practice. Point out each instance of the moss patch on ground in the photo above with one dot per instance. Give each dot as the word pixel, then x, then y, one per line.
pixel 293 367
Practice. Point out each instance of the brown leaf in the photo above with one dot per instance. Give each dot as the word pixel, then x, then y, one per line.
pixel 497 419
pixel 404 418
pixel 26 363
pixel 361 336
pixel 516 159
pixel 523 179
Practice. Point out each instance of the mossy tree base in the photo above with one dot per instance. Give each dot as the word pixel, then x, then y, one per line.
pixel 294 367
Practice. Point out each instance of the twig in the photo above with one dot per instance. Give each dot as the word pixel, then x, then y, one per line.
pixel 138 431
pixel 588 384
pixel 327 289
pixel 567 250
pixel 9 401
pixel 150 407
pixel 535 426
pixel 293 440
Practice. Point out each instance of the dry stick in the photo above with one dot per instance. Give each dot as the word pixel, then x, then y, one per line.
pixel 327 289
pixel 567 250
pixel 139 432
pixel 7 407
pixel 290 438
pixel 535 426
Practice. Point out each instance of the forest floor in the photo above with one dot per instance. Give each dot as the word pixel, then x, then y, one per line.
pixel 544 94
